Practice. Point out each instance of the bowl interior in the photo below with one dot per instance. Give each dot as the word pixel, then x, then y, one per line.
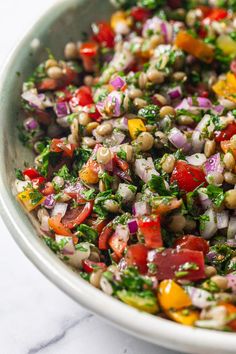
pixel 68 20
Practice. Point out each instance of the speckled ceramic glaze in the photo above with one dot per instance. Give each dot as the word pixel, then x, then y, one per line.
pixel 65 21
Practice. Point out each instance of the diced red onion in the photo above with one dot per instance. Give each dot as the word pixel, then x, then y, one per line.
pixel 178 139
pixel 200 298
pixel 153 24
pixel 222 219
pixel 109 166
pixel 33 98
pixel 59 208
pixel 213 164
pixel 69 247
pixel 141 208
pixel 175 92
pixel 115 139
pixel 196 159
pixel 231 282
pixel 219 109
pixel 122 60
pixel 204 199
pixel 76 259
pixel 204 102
pixel 210 225
pixel 123 232
pixel 63 122
pixel 118 82
pixel 133 226
pixel 121 123
pixel 21 185
pixel 31 124
pixel 231 232
pixel 144 168
pixel 197 141
pixel 44 223
pixel 49 201
pixel 62 109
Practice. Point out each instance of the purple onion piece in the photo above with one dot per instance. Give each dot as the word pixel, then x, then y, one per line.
pixel 133 226
pixel 49 202
pixel 31 124
pixel 62 109
pixel 213 164
pixel 118 82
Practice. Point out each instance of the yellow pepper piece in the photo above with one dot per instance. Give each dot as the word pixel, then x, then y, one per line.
pixel 194 46
pixel 226 88
pixel 28 199
pixel 119 17
pixel 186 317
pixel 135 127
pixel 172 296
pixel 226 44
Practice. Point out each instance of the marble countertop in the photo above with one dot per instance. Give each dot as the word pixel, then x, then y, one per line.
pixel 36 317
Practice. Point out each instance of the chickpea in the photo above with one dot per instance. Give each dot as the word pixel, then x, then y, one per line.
pixel 142 81
pixel 167 111
pixel 70 51
pixel 220 281
pixel 209 148
pixel 168 164
pixel 135 93
pixel 190 225
pixel 50 63
pixel 161 100
pixel 210 271
pixel 230 199
pixel 216 179
pixel 177 223
pixel 185 120
pixel 155 76
pixel 139 102
pixel 42 212
pixel 84 118
pixel 54 72
pixel 101 186
pixel 145 141
pixel 88 80
pixel 106 286
pixel 91 126
pixel 229 161
pixel 89 142
pixel 104 129
pixel 103 155
pixel 155 40
pixel 160 139
pixel 179 76
pixel 128 149
pixel 111 205
pixel 230 177
pixel 95 278
pixel 58 181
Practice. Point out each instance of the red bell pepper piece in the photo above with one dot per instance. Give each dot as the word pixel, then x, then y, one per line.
pixel 31 173
pixel 225 134
pixel 77 216
pixel 191 242
pixel 137 256
pixel 104 237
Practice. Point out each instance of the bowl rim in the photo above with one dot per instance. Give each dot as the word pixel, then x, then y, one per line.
pixel 148 327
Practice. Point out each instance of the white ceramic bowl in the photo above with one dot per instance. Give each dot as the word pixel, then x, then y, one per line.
pixel 62 22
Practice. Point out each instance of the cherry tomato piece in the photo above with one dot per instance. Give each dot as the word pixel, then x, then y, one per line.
pixel 31 173
pixel 191 242
pixel 225 134
pixel 77 216
pixel 104 237
pixel 90 266
pixel 137 256
pixel 150 227
pixel 140 13
pixel 104 34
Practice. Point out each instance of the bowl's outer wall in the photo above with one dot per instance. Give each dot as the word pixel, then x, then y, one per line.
pixel 65 21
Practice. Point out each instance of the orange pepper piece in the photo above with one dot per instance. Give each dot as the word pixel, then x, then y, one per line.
pixel 135 126
pixel 166 207
pixel 55 224
pixel 89 173
pixel 186 317
pixel 194 46
pixel 226 88
pixel 25 198
pixel 172 296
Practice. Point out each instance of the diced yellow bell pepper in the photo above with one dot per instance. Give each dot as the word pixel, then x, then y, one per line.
pixel 29 200
pixel 186 317
pixel 146 304
pixel 226 88
pixel 120 17
pixel 226 44
pixel 172 296
pixel 135 127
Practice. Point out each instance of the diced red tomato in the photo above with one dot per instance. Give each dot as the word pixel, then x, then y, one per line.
pixel 93 112
pixel 48 189
pixel 99 225
pixel 170 262
pixel 137 256
pixel 47 84
pixel 150 227
pixel 104 237
pixel 140 13
pixel 55 224
pixel 39 180
pixel 121 163
pixel 88 50
pixel 64 95
pixel 84 96
pixel 58 145
pixel 104 34
pixel 191 242
pixel 188 177
pixel 225 134
pixel 70 75
pixel 77 216
pixel 31 173
pixel 90 266
pixel 117 244
pixel 216 14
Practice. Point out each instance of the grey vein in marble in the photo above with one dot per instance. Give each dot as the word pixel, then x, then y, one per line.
pixel 59 336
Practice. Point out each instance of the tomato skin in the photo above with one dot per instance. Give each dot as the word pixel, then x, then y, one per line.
pixel 104 237
pixel 84 96
pixel 117 244
pixel 58 145
pixel 191 242
pixel 90 266
pixel 124 166
pixel 150 227
pixel 137 256
pixel 225 134
pixel 216 14
pixel 47 84
pixel 188 177
pixel 169 261
pixel 78 217
pixel 31 173
pixel 140 13
pixel 88 50
pixel 105 34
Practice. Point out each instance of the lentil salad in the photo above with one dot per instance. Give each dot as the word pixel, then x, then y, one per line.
pixel 134 179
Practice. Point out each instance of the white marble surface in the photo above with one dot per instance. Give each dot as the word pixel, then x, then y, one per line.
pixel 35 317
